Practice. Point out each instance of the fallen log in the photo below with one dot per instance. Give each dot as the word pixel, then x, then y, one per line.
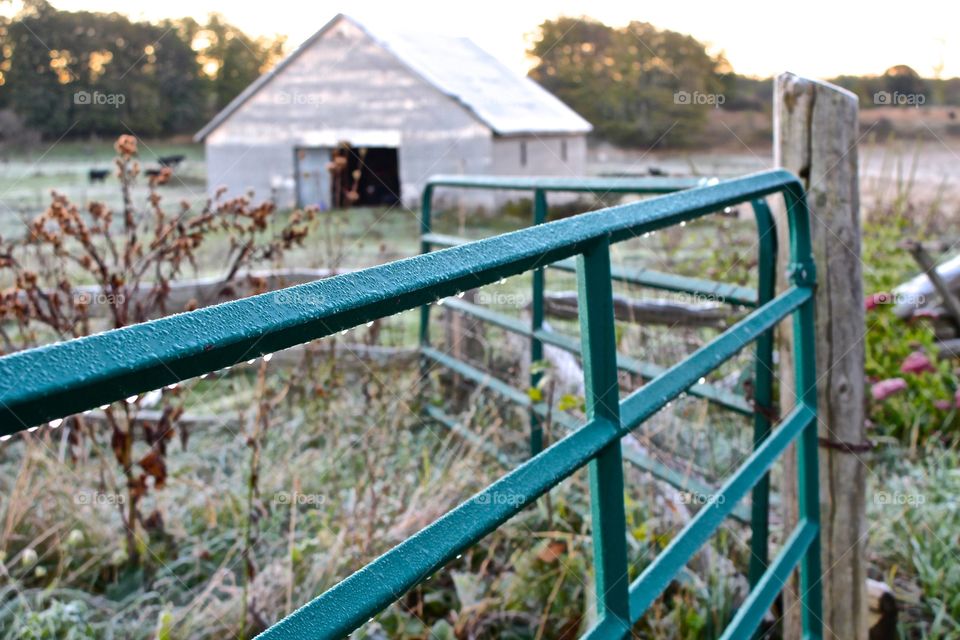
pixel 563 304
pixel 919 291
pixel 950 302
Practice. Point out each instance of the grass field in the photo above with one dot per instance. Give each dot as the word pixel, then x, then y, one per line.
pixel 349 438
pixel 26 178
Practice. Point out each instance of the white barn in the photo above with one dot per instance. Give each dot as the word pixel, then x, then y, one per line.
pixel 416 105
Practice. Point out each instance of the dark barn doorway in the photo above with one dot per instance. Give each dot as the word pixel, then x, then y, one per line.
pixel 365 176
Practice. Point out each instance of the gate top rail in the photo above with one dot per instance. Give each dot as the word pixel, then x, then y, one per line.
pixel 58 380
pixel 639 185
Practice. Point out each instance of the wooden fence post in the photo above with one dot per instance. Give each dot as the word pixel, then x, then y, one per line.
pixel 815 137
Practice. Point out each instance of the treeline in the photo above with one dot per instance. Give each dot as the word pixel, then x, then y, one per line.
pixel 638 85
pixel 902 86
pixel 77 74
pixel 641 86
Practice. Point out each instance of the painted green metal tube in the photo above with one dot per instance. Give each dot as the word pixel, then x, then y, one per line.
pixel 353 601
pixel 426 220
pixel 597 185
pixel 640 460
pixel 646 370
pixel 803 273
pixel 770 583
pixel 536 324
pixel 609 528
pixel 646 401
pixel 658 575
pixel 762 388
pixel 652 279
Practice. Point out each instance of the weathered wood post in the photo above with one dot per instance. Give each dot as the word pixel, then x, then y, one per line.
pixel 815 137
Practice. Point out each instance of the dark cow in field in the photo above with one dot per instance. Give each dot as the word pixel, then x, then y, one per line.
pixel 98 175
pixel 171 161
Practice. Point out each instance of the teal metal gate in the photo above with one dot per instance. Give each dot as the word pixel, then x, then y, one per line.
pixel 59 380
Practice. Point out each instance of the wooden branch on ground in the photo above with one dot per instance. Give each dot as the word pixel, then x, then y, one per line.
pixel 563 304
pixel 918 291
pixel 929 267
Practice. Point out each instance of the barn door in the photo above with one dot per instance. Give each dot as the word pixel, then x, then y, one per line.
pixel 313 177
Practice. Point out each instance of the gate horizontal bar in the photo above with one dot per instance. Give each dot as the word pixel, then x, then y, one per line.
pixel 658 575
pixel 722 292
pixel 638 459
pixel 353 601
pixel 652 397
pixel 771 583
pixel 646 370
pixel 451 423
pixel 444 240
pixel 598 185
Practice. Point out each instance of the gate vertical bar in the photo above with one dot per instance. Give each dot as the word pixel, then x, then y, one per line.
pixel 426 212
pixel 536 324
pixel 762 389
pixel 597 331
pixel 808 493
pixel 803 273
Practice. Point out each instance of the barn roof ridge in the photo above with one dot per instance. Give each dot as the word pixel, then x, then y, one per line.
pixel 527 108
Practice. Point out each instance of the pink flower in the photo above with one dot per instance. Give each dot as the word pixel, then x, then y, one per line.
pixel 956 399
pixel 886 388
pixel 917 362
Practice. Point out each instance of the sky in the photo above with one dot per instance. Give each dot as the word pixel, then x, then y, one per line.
pixel 817 38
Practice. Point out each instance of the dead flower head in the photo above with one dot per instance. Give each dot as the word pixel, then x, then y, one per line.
pixel 126 145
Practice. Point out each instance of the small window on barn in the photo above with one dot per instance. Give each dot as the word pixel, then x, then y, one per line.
pixel 563 150
pixel 523 153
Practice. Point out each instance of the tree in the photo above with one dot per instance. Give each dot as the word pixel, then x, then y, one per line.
pixel 638 85
pixel 84 73
pixel 230 60
pixel 904 80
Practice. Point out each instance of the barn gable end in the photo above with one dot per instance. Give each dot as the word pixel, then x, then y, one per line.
pixel 345 84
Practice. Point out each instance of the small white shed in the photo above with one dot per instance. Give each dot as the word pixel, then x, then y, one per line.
pixel 396 107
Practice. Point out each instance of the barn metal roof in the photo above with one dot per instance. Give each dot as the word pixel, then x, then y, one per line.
pixel 505 101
